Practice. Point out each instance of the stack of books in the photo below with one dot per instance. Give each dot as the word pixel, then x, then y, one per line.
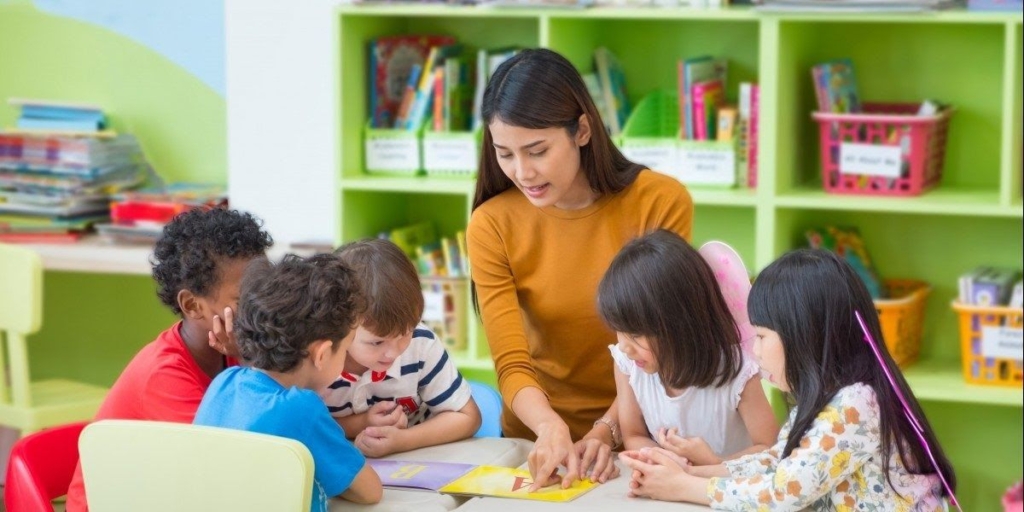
pixel 53 187
pixel 139 216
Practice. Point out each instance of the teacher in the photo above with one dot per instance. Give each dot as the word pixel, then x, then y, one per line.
pixel 555 202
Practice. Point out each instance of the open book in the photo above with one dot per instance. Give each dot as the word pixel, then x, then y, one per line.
pixel 512 483
pixel 426 476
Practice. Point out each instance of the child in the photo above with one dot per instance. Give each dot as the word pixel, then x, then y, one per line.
pixel 197 265
pixel 679 372
pixel 848 444
pixel 397 375
pixel 295 321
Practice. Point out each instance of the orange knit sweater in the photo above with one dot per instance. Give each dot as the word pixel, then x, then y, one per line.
pixel 536 272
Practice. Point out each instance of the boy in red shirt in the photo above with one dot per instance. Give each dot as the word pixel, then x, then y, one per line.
pixel 197 265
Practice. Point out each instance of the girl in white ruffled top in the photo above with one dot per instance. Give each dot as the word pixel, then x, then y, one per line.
pixel 682 381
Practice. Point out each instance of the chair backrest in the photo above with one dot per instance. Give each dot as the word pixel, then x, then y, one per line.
pixel 157 466
pixel 489 402
pixel 21 313
pixel 40 468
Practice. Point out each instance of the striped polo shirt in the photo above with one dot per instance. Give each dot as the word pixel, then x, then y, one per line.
pixel 423 380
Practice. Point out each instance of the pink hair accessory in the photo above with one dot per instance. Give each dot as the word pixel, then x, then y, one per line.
pixel 906 408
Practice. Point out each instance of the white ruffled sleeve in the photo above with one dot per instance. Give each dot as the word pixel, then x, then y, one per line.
pixel 623 363
pixel 748 370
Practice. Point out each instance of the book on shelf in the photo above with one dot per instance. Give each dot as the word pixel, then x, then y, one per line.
pixel 421 103
pixel 691 71
pixel 835 86
pixel 391 61
pixel 487 61
pixel 707 96
pixel 612 78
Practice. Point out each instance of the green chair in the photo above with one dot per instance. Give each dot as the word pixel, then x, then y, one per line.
pixel 170 467
pixel 26 405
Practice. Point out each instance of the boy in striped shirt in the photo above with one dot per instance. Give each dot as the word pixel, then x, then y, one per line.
pixel 399 390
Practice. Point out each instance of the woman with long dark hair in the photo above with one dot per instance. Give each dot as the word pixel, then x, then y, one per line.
pixel 555 202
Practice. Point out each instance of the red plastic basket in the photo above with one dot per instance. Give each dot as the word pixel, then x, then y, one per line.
pixel 922 140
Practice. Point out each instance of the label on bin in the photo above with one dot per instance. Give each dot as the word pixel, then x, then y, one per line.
pixel 659 157
pixel 1002 343
pixel 433 306
pixel 450 154
pixel 708 166
pixel 870 159
pixel 392 154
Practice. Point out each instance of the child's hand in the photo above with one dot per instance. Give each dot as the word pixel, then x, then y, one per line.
pixel 222 337
pixel 387 414
pixel 378 441
pixel 654 474
pixel 694 449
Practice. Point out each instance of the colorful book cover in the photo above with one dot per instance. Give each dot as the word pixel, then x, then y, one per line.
pixel 752 127
pixel 613 87
pixel 698 69
pixel 425 90
pixel 706 98
pixel 407 474
pixel 839 83
pixel 391 61
pixel 408 97
pixel 512 483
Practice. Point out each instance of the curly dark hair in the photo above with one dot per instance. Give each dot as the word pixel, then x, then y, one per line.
pixel 194 242
pixel 286 306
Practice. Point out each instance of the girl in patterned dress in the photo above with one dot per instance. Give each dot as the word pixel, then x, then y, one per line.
pixel 848 444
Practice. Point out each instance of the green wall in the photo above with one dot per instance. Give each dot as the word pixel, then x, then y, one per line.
pixel 94 324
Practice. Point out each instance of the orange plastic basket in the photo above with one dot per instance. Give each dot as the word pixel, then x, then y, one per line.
pixel 901 318
pixel 982 328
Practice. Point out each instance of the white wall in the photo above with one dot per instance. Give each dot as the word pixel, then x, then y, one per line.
pixel 281 112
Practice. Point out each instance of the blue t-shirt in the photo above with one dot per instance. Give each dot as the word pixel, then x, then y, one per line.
pixel 247 399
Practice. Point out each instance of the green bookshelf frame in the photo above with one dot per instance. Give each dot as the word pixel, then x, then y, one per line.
pixel 971 60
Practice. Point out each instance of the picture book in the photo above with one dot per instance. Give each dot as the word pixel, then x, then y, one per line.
pixel 691 71
pixel 613 87
pixel 707 96
pixel 423 102
pixel 836 86
pixel 487 61
pixel 512 483
pixel 390 62
pixel 426 476
pixel 847 243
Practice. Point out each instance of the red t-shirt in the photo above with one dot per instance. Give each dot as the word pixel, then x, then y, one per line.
pixel 162 382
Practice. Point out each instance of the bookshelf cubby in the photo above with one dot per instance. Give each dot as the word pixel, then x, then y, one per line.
pixel 969 60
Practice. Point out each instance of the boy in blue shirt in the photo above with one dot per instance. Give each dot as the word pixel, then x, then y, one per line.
pixel 295 322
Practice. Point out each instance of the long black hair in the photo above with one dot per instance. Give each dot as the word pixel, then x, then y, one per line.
pixel 539 89
pixel 660 287
pixel 809 298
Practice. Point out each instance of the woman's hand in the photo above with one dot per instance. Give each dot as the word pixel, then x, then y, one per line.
pixel 552 448
pixel 595 450
pixel 694 449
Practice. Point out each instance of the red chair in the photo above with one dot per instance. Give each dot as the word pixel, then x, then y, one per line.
pixel 40 468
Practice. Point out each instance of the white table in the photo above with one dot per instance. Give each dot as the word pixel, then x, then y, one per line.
pixel 610 495
pixel 492 451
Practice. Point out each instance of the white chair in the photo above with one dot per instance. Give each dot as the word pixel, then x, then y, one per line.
pixel 170 467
